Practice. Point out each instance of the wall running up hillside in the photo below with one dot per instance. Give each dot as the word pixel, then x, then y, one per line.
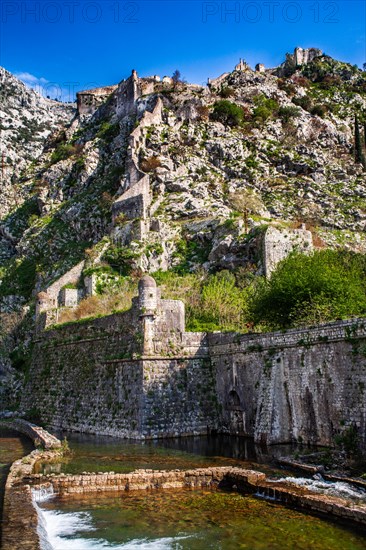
pixel 139 374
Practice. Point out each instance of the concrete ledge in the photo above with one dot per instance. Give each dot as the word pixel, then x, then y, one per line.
pixel 143 480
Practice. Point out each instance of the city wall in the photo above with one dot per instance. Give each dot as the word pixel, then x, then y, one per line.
pixel 139 374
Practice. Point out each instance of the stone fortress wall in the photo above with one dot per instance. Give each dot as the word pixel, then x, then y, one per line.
pixel 139 374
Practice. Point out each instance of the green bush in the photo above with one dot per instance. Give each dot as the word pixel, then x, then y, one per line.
pixel 288 112
pixel 319 110
pixel 213 302
pixel 265 108
pixel 304 102
pixel 62 152
pixel 323 286
pixel 108 131
pixel 228 113
pixel 222 304
pixel 120 258
pixel 19 278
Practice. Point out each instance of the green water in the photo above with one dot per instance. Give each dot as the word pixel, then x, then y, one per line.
pixel 103 454
pixel 180 519
pixel 190 520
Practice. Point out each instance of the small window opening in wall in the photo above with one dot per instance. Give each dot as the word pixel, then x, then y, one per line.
pixel 151 295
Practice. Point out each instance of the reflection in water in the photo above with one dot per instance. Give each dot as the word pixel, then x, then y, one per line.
pixel 187 520
pixel 104 454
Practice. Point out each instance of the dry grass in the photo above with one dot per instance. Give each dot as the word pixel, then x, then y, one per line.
pixel 101 304
pixel 150 163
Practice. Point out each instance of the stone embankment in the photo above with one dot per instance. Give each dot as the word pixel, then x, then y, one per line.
pixel 39 436
pixel 146 480
pixel 20 518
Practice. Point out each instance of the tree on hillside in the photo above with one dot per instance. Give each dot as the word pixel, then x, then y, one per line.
pixel 228 113
pixel 246 202
pixel 177 78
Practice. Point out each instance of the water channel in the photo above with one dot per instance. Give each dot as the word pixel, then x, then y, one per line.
pixel 179 519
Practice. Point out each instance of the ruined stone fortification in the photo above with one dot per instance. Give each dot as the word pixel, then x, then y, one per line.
pixel 139 374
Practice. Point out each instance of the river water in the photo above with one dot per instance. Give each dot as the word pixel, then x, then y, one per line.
pixel 105 454
pixel 179 519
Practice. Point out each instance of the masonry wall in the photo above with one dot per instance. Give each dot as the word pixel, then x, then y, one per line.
pixel 88 377
pixel 302 385
pixel 93 377
pixel 138 374
pixel 180 397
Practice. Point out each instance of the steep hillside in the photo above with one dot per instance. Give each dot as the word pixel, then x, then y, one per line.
pixel 158 175
pixel 27 119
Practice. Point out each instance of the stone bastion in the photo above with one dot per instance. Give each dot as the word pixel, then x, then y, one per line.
pixel 139 374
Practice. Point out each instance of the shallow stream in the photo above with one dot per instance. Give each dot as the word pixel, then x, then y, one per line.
pixel 187 520
pixel 179 519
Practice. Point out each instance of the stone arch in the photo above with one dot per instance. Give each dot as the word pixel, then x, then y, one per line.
pixel 233 401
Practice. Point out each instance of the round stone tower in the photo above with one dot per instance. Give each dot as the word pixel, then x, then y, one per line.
pixel 148 294
pixel 43 302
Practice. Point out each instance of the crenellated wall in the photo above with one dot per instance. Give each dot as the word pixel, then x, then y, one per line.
pixel 139 374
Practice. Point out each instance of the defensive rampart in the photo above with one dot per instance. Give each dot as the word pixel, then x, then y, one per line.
pixel 139 374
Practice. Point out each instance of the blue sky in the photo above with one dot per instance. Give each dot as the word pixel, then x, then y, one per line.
pixel 61 46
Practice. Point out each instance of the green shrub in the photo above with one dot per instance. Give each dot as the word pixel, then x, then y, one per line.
pixel 288 112
pixel 323 286
pixel 304 102
pixel 261 113
pixel 120 258
pixel 19 278
pixel 228 113
pixel 349 440
pixel 265 108
pixel 213 302
pixel 62 152
pixel 319 110
pixel 108 131
pixel 222 305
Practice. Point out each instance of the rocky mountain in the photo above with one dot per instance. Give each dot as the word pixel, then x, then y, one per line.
pixel 26 119
pixel 157 174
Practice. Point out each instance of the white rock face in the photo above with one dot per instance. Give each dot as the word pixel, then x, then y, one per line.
pixel 26 119
pixel 279 243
